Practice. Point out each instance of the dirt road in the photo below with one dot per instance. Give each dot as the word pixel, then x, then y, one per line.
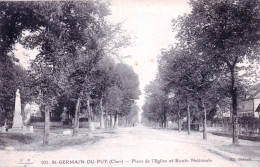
pixel 134 146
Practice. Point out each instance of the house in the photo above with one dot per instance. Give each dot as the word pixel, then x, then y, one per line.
pixel 250 105
pixel 33 109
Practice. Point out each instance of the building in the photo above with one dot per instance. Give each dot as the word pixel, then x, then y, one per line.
pixel 33 109
pixel 250 105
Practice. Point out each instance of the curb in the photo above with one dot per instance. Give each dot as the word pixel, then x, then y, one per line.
pixel 223 155
pixel 249 138
pixel 230 157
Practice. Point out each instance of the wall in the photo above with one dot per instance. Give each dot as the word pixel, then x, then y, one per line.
pixel 256 103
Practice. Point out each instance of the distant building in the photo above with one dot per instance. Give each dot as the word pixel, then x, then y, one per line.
pixel 34 109
pixel 250 105
pixel 222 112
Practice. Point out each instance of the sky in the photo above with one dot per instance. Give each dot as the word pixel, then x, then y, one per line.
pixel 149 24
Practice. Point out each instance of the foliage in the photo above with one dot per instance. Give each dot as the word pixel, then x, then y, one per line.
pixel 156 102
pixel 223 33
pixel 74 41
pixel 36 119
pixel 123 91
pixel 15 78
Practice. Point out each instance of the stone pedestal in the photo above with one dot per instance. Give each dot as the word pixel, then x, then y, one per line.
pixel 16 130
pixel 24 130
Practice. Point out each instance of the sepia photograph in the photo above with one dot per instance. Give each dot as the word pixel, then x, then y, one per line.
pixel 130 83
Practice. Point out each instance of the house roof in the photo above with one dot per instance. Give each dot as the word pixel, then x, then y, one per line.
pixel 258 108
pixel 254 91
pixel 254 94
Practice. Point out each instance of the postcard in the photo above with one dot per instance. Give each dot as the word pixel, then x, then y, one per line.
pixel 129 83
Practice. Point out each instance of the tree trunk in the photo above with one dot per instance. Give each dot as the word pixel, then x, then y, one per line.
pixel 106 121
pixel 222 124
pixel 90 119
pixel 111 120
pixel 188 116
pixel 76 122
pixel 1 113
pixel 126 121
pixel 179 120
pixel 205 123
pixel 164 119
pixel 116 120
pixel 46 135
pixel 101 115
pixel 233 92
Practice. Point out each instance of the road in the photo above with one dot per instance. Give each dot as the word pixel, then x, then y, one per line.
pixel 133 146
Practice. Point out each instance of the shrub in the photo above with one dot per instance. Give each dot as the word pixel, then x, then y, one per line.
pixel 83 120
pixel 36 119
pixel 55 119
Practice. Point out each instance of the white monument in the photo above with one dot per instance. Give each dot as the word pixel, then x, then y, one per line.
pixel 17 121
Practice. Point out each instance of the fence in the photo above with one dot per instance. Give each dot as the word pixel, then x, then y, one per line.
pixel 248 126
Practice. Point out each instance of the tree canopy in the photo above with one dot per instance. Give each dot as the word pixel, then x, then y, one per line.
pixel 74 67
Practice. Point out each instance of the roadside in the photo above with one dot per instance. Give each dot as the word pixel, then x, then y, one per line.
pixel 58 140
pixel 222 146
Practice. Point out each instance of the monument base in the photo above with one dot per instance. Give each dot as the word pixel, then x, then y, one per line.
pixel 24 129
pixel 16 130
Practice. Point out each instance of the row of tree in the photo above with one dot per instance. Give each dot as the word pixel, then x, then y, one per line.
pixel 77 67
pixel 201 72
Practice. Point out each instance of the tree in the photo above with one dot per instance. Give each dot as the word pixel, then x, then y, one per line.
pixel 66 37
pixel 62 31
pixel 156 103
pixel 104 79
pixel 191 79
pixel 132 117
pixel 226 32
pixel 72 38
pixel 16 78
pixel 123 89
pixel 85 67
pixel 113 101
pixel 129 85
pixel 13 21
